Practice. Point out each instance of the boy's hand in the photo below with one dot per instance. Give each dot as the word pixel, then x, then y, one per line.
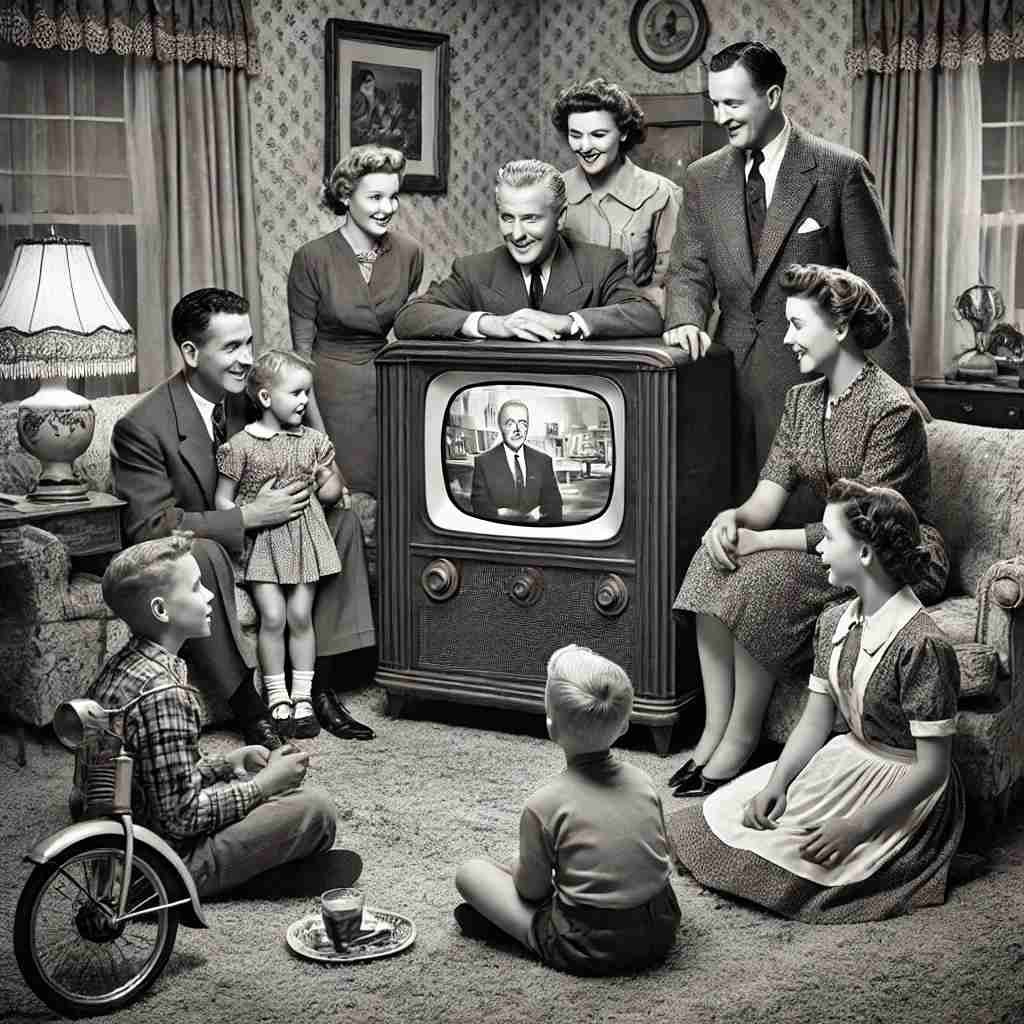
pixel 285 769
pixel 248 760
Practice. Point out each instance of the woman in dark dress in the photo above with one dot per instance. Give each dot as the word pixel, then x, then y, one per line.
pixel 344 290
pixel 756 591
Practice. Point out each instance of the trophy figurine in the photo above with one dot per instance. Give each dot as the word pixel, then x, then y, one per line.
pixel 981 306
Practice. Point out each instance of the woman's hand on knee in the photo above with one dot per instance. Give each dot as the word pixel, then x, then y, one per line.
pixel 720 539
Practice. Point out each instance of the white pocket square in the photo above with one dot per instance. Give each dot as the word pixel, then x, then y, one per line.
pixel 808 226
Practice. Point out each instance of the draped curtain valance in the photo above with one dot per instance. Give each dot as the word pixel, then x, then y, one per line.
pixel 914 35
pixel 219 32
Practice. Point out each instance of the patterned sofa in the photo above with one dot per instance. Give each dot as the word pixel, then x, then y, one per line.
pixel 978 504
pixel 55 630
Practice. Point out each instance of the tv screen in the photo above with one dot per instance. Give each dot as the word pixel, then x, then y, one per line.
pixel 526 455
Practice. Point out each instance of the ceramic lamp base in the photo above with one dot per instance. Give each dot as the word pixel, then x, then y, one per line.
pixel 977 365
pixel 56 426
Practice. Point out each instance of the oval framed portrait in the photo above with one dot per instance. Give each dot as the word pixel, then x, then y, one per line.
pixel 667 35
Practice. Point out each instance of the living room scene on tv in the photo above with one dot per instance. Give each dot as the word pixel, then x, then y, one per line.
pixel 529 453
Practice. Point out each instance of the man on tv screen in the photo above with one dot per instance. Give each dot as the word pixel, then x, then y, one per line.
pixel 513 481
pixel 537 286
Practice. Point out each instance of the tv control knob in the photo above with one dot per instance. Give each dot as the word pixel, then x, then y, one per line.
pixel 611 595
pixel 440 579
pixel 526 588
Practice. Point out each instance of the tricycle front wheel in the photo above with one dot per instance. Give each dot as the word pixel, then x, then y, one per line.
pixel 71 953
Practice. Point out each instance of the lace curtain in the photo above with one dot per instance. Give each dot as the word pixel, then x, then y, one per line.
pixel 219 32
pixel 917 35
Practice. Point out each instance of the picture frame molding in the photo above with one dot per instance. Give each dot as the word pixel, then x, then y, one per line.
pixel 336 29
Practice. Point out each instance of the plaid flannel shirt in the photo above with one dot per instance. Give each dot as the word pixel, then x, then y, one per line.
pixel 177 793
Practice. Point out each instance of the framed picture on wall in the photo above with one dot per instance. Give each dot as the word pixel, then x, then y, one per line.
pixel 667 35
pixel 388 86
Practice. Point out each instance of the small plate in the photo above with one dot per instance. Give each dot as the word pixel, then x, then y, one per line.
pixel 307 938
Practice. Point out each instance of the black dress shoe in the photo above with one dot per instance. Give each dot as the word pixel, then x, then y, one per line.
pixel 701 785
pixel 334 717
pixel 261 732
pixel 686 773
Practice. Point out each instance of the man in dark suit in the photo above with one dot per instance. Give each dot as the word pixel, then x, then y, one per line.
pixel 512 480
pixel 164 466
pixel 535 287
pixel 773 196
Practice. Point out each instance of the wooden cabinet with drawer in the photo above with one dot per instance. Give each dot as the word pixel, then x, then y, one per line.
pixel 999 404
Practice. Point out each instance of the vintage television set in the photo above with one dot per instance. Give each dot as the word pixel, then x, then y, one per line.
pixel 480 577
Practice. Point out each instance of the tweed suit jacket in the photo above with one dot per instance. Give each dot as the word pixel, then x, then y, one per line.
pixel 164 467
pixel 494 486
pixel 590 280
pixel 711 256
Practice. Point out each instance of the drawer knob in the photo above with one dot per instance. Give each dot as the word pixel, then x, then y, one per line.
pixel 611 595
pixel 1011 413
pixel 526 587
pixel 440 579
pixel 966 407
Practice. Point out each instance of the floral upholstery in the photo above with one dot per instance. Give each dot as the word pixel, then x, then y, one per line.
pixel 55 630
pixel 978 505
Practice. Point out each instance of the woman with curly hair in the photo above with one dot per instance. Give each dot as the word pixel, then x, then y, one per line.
pixel 865 825
pixel 611 201
pixel 756 590
pixel 344 290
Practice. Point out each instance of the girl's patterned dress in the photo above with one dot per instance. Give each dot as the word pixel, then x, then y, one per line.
pixel 299 551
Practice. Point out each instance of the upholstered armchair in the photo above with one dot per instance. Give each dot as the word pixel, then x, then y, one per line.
pixel 978 504
pixel 55 630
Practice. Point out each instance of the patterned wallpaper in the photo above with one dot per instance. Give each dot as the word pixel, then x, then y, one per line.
pixel 509 58
pixel 494 71
pixel 811 36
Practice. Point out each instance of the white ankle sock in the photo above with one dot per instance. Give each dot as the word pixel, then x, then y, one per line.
pixel 276 690
pixel 302 687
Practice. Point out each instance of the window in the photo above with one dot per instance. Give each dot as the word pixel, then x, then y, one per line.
pixel 64 163
pixel 1002 182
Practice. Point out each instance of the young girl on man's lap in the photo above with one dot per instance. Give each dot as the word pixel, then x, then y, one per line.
pixel 285 562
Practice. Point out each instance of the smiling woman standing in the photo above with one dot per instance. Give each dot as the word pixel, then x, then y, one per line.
pixel 344 290
pixel 757 590
pixel 611 201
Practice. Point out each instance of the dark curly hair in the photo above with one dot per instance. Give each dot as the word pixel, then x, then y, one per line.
pixel 600 94
pixel 845 300
pixel 883 518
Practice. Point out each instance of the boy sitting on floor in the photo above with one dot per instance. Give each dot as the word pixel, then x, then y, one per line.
pixel 590 892
pixel 232 819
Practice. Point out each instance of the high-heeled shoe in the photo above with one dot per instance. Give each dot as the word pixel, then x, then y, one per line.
pixel 685 773
pixel 701 786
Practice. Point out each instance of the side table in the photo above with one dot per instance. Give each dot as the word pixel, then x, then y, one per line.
pixel 88 527
pixel 996 404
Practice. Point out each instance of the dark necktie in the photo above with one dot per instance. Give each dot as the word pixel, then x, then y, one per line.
pixel 536 293
pixel 756 205
pixel 520 482
pixel 220 425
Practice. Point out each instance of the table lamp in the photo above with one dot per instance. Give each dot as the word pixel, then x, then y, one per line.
pixel 981 306
pixel 57 320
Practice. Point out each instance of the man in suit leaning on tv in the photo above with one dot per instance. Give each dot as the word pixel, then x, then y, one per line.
pixel 775 195
pixel 162 454
pixel 512 480
pixel 537 286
